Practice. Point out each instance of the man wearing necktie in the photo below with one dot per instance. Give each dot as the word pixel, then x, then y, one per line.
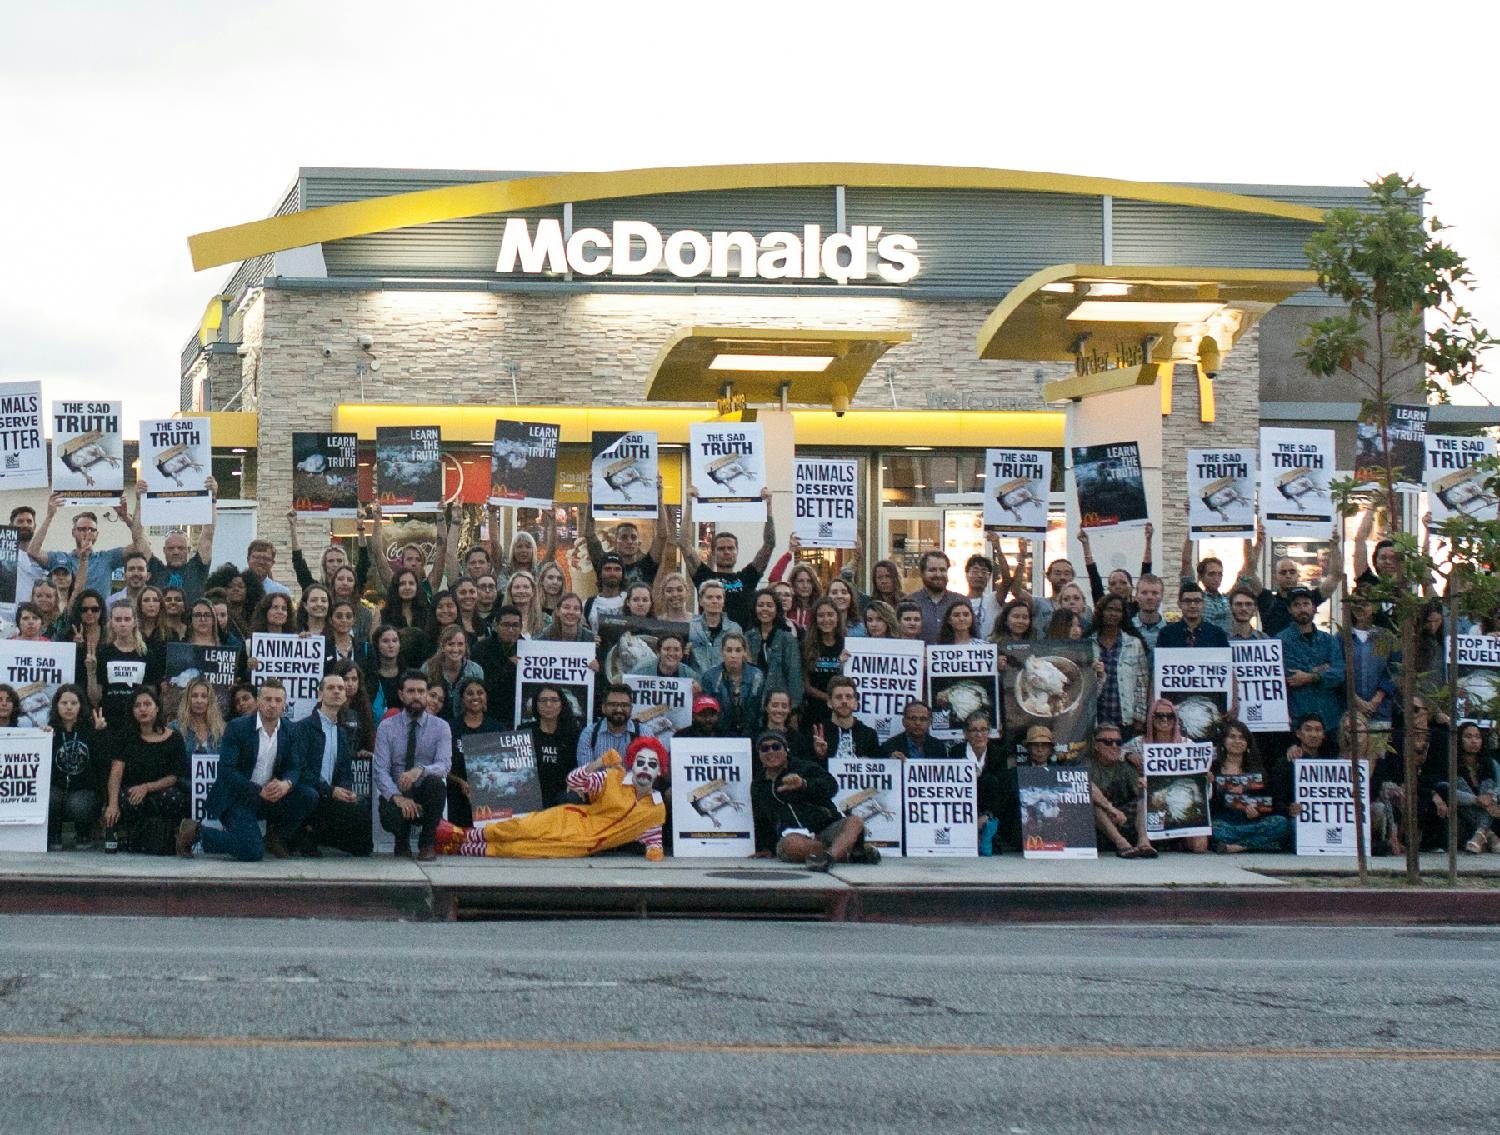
pixel 413 753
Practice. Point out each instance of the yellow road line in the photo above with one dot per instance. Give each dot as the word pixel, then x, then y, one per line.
pixel 984 1051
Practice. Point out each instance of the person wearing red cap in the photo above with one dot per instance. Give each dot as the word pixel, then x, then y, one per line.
pixel 705 718
pixel 623 804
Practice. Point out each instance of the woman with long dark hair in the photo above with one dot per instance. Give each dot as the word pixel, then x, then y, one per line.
pixel 79 768
pixel 554 737
pixel 313 609
pixel 357 709
pixel 470 707
pixel 1246 816
pixel 822 658
pixel 1478 787
pixel 1124 667
pixel 383 671
pixel 773 647
pixel 148 777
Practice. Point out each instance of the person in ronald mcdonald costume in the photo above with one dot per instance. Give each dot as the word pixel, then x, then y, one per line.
pixel 624 805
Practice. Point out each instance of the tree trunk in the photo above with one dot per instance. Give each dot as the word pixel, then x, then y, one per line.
pixel 1452 753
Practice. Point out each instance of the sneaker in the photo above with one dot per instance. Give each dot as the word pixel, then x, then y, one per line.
pixel 187 837
pixel 819 861
pixel 426 853
pixel 1492 839
pixel 277 846
pixel 866 855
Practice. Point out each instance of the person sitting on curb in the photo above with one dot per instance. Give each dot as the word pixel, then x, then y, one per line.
pixel 622 805
pixel 1117 790
pixel 795 816
pixel 260 778
pixel 413 756
pixel 325 747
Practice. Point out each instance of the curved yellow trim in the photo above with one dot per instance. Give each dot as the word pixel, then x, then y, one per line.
pixel 1273 284
pixel 359 218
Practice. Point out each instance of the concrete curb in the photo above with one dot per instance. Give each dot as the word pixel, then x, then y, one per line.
pixel 422 900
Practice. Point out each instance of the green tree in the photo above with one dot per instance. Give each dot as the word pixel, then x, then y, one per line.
pixel 1404 332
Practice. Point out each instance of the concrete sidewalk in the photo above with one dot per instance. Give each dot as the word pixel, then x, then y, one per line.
pixel 1173 888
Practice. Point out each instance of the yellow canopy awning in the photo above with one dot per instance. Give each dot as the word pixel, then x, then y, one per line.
pixel 817 367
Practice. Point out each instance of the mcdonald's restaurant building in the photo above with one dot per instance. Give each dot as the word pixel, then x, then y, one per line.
pixel 908 316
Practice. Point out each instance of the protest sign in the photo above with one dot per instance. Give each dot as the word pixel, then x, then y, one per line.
pixel 176 462
pixel 825 502
pixel 662 705
pixel 870 789
pixel 1260 685
pixel 10 566
pixel 623 474
pixel 1199 681
pixel 1296 472
pixel 297 662
pixel 1323 799
pixel 35 670
pixel 628 642
pixel 1221 493
pixel 727 463
pixel 503 782
pixel 540 662
pixel 1454 486
pixel 1057 813
pixel 523 464
pixel 409 467
pixel 88 452
pixel 204 769
pixel 1177 788
pixel 1477 677
pixel 325 475
pixel 1109 486
pixel 1052 683
pixel 962 680
pixel 185 662
pixel 23 449
pixel 711 798
pixel 25 785
pixel 887 673
pixel 1406 431
pixel 1017 487
pixel 941 807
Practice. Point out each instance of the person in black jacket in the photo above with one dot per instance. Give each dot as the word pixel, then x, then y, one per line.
pixel 79 767
pixel 323 744
pixel 914 740
pixel 795 816
pixel 843 735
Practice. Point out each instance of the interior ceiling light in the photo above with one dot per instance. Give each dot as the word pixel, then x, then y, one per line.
pixel 1142 311
pixel 800 364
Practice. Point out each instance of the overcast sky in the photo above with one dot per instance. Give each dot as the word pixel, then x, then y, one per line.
pixel 130 125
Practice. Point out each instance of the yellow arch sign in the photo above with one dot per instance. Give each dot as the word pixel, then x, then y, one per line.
pixel 401 210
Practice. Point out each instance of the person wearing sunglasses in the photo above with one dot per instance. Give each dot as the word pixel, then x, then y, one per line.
pixel 1165 727
pixel 1117 791
pixel 795 816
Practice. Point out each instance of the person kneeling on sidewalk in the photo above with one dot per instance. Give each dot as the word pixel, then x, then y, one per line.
pixel 413 755
pixel 325 750
pixel 260 778
pixel 795 815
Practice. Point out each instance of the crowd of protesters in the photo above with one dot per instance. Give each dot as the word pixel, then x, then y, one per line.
pixel 421 652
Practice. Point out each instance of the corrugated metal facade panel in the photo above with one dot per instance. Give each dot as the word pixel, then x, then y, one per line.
pixel 984 240
pixel 462 249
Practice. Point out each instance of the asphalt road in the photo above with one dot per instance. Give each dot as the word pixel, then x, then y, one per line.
pixel 116 1025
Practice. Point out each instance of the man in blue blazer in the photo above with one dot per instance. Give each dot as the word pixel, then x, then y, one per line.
pixel 324 748
pixel 259 778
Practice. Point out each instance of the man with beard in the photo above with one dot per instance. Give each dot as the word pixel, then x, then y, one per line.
pixel 795 816
pixel 621 805
pixel 413 755
pixel 614 731
pixel 1314 664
